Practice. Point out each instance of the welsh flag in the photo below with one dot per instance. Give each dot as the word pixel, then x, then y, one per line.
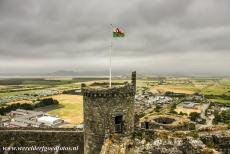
pixel 117 32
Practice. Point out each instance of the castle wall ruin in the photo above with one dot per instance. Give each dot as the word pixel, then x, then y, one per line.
pixel 28 137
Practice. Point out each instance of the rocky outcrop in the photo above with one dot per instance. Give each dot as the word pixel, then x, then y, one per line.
pixel 118 145
pixel 219 140
pixel 129 145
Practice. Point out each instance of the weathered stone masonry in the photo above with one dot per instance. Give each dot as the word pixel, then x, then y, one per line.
pixel 19 137
pixel 107 111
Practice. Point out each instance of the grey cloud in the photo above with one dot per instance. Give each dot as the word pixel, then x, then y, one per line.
pixel 76 35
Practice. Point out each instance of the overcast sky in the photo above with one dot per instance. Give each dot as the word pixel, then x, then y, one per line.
pixel 185 37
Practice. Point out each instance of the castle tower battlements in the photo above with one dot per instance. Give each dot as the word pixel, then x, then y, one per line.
pixel 125 90
pixel 107 110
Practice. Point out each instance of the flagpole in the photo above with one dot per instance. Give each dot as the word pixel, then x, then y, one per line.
pixel 110 64
pixel 110 60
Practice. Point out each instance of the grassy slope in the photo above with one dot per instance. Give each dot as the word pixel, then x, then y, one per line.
pixel 190 86
pixel 72 111
pixel 221 101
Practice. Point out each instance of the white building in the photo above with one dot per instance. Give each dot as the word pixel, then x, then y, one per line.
pixel 189 105
pixel 50 121
pixel 79 126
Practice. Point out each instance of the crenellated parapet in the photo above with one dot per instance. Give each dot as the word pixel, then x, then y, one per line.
pixel 121 91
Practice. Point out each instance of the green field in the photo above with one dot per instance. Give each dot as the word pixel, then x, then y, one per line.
pixel 72 110
pixel 206 86
pixel 215 89
pixel 221 101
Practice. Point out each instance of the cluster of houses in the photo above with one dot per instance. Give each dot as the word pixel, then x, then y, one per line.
pixel 6 99
pixel 30 95
pixel 145 100
pixel 28 118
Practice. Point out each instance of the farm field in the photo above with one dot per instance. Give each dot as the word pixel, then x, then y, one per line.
pixel 175 88
pixel 221 101
pixel 187 110
pixel 215 89
pixel 72 110
pixel 21 86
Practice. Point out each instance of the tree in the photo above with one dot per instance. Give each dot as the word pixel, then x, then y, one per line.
pixel 194 116
pixel 173 107
pixel 27 106
pixel 226 116
pixel 181 113
pixel 157 108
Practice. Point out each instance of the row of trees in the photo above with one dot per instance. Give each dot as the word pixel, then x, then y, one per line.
pixel 224 96
pixel 27 106
pixel 172 94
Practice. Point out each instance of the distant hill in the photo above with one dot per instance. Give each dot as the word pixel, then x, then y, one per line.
pixel 101 73
pixel 57 73
pixel 63 73
pixel 75 73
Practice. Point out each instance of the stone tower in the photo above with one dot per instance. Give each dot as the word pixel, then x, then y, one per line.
pixel 107 111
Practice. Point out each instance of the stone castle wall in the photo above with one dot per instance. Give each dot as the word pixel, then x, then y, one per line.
pixel 101 106
pixel 16 137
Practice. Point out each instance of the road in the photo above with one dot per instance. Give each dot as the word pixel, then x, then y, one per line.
pixel 208 119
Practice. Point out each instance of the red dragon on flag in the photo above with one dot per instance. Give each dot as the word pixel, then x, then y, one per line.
pixel 117 32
